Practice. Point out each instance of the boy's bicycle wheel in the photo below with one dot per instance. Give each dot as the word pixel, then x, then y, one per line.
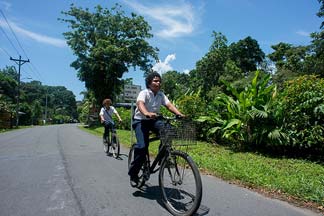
pixel 180 182
pixel 105 145
pixel 115 145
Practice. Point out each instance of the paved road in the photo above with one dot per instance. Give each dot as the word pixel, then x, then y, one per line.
pixel 60 170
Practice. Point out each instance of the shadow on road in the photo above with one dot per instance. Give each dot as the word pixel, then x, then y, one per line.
pixel 154 193
pixel 120 157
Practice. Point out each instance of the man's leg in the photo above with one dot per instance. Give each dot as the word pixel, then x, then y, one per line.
pixel 105 134
pixel 142 134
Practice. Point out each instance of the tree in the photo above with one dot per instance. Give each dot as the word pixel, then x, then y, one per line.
pixel 106 43
pixel 246 54
pixel 317 45
pixel 321 12
pixel 8 83
pixel 291 61
pixel 175 84
pixel 211 66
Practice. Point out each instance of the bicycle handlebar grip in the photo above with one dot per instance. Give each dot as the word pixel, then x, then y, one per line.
pixel 179 117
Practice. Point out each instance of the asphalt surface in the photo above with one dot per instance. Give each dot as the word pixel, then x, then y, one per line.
pixel 61 170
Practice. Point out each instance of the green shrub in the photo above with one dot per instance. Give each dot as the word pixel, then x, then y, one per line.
pixel 303 103
pixel 125 115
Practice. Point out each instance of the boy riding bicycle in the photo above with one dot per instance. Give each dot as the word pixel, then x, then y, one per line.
pixel 106 119
pixel 148 104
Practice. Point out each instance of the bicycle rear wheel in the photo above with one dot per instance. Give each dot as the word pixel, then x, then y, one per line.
pixel 181 186
pixel 143 174
pixel 115 145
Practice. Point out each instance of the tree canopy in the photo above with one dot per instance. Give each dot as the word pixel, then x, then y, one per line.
pixel 106 43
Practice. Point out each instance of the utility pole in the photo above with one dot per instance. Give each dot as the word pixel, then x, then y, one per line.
pixel 45 118
pixel 20 62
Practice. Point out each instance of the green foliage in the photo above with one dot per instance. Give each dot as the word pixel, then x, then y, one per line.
pixel 230 63
pixel 107 42
pixel 175 84
pixel 246 117
pixel 247 54
pixel 125 115
pixel 317 48
pixel 303 102
pixel 8 84
pixel 212 65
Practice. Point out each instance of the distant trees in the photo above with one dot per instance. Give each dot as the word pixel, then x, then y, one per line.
pixel 35 99
pixel 233 63
pixel 106 43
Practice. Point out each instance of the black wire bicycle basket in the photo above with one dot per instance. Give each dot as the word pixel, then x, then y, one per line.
pixel 181 133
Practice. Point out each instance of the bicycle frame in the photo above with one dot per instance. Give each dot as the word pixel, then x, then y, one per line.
pixel 163 153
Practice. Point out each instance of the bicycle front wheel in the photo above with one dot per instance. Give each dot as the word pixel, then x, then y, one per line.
pixel 105 145
pixel 115 145
pixel 181 186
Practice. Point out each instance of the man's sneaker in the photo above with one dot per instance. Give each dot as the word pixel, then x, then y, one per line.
pixel 134 181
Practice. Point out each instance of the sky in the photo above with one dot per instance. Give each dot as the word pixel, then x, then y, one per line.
pixel 182 32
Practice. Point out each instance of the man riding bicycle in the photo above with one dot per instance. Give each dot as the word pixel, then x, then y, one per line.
pixel 148 104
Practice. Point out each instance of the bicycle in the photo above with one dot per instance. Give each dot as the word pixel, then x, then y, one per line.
pixel 112 142
pixel 179 177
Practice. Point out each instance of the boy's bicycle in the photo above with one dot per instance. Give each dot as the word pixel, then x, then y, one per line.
pixel 179 177
pixel 111 144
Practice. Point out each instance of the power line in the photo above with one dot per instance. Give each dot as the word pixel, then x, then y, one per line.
pixel 13 33
pixel 5 51
pixel 33 68
pixel 9 40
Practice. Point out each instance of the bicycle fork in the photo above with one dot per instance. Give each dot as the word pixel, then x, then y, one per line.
pixel 175 175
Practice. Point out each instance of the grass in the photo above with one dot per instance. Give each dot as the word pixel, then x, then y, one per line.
pixel 298 181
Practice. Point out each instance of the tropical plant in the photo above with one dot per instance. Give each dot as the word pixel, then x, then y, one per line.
pixel 246 118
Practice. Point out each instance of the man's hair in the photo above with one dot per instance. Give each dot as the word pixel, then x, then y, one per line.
pixel 150 77
pixel 106 101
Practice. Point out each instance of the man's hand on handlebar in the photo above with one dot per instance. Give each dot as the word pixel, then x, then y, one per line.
pixel 180 116
pixel 151 115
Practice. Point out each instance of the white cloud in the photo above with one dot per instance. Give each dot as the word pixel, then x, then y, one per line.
pixel 303 33
pixel 162 67
pixel 186 71
pixel 176 21
pixel 34 36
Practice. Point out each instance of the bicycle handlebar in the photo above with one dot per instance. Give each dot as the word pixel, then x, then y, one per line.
pixel 162 117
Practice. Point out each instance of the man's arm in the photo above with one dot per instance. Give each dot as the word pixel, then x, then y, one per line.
pixel 102 119
pixel 173 109
pixel 143 110
pixel 118 116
